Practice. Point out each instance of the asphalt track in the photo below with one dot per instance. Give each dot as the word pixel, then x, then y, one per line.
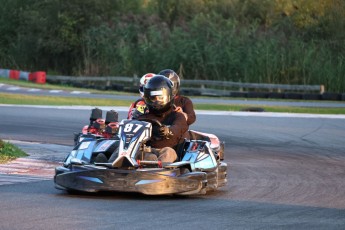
pixel 285 172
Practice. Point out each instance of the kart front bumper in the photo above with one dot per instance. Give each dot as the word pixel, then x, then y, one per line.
pixel 150 182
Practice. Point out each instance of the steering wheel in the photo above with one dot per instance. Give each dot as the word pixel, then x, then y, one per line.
pixel 155 123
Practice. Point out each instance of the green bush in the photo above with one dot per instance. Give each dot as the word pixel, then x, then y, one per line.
pixel 9 152
pixel 292 42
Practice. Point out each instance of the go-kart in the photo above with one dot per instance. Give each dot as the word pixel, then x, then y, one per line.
pixel 113 160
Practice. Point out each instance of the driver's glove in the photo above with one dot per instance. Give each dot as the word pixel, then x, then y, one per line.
pixel 165 132
pixel 179 110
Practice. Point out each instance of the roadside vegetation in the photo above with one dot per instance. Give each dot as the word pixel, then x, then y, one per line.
pixel 17 99
pixel 267 41
pixel 9 152
pixel 7 98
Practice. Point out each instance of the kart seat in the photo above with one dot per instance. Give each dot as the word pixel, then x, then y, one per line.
pixel 213 139
pixel 181 148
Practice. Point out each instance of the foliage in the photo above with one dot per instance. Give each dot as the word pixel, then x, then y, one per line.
pixel 9 152
pixel 261 41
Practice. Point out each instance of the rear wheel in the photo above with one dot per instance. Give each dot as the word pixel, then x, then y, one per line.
pixel 221 151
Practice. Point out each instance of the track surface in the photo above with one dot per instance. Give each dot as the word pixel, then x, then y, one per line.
pixel 284 173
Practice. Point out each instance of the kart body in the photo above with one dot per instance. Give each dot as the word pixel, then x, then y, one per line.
pixel 116 163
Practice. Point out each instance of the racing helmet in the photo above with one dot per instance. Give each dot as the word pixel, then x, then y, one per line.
pixel 173 77
pixel 143 81
pixel 158 94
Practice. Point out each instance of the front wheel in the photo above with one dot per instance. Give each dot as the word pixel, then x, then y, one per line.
pixel 222 174
pixel 184 171
pixel 212 180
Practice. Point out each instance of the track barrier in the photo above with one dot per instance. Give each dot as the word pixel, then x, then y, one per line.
pixel 38 77
pixel 191 87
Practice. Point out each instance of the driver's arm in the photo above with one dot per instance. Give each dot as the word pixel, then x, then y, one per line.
pixel 188 108
pixel 179 125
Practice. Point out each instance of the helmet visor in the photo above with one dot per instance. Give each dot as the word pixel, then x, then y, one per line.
pixel 158 98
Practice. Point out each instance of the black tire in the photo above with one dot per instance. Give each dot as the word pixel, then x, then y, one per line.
pixel 222 174
pixel 73 192
pixel 184 171
pixel 100 158
pixel 212 180
pixel 253 109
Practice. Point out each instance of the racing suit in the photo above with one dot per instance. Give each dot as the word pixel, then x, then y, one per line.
pixel 138 108
pixel 163 147
pixel 187 107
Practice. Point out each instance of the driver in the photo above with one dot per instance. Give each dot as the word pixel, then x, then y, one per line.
pixel 158 96
pixel 182 103
pixel 138 107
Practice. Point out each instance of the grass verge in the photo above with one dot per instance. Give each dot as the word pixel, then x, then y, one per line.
pixel 9 152
pixel 6 98
pixel 47 86
pixel 17 99
pixel 273 109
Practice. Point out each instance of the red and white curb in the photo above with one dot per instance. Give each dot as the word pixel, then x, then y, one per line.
pixel 23 170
